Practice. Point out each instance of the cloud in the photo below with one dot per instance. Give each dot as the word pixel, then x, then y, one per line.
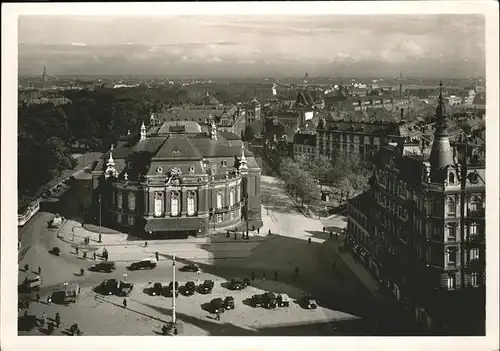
pixel 78 44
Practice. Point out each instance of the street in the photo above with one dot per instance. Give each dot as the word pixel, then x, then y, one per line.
pixel 220 259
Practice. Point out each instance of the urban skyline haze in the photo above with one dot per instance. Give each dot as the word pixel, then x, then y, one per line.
pixel 331 45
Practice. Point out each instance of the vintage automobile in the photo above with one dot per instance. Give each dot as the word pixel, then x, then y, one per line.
pixel 236 284
pixel 189 288
pixel 55 251
pixel 155 290
pixel 207 286
pixel 308 302
pixel 217 305
pixel 108 287
pixel 147 263
pixel 66 294
pixel 192 267
pixel 170 289
pixel 31 284
pixel 283 300
pixel 124 288
pixel 270 300
pixel 229 303
pixel 257 300
pixel 107 267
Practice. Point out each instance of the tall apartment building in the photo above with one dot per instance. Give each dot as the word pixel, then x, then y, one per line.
pixel 420 230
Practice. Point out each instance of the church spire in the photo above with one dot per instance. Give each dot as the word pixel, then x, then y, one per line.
pixel 441 153
pixel 243 160
pixel 143 131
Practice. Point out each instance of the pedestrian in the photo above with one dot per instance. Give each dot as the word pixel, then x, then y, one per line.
pixel 37 297
pixel 145 244
pixel 324 229
pixel 44 318
pixel 39 270
pixel 227 234
pixel 275 276
pixel 124 303
pixel 164 330
pixel 26 313
pixel 309 241
pixel 253 275
pixel 76 250
pixel 331 235
pixel 234 235
pixel 57 319
pixel 269 231
pixel 175 331
pixel 258 230
pixel 26 267
pixel 100 237
pixel 253 228
pixel 94 256
pixel 157 256
pixel 84 255
pixel 50 328
pixel 49 299
pixel 82 271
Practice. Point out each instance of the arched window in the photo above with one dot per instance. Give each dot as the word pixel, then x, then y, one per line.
pixel 174 204
pixel 131 201
pixel 119 199
pixel 190 204
pixel 158 204
pixel 231 198
pixel 451 178
pixel 219 201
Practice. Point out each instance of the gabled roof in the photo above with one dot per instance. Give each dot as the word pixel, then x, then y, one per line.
pixel 208 100
pixel 177 146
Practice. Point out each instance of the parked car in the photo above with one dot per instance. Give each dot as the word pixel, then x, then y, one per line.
pixel 229 303
pixel 207 286
pixel 124 289
pixel 192 267
pixel 283 300
pixel 246 281
pixel 189 288
pixel 270 300
pixel 156 289
pixel 66 294
pixel 236 284
pixel 217 305
pixel 55 251
pixel 107 267
pixel 257 300
pixel 308 302
pixel 107 287
pixel 170 289
pixel 147 263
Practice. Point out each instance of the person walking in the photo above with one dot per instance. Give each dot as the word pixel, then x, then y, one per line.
pixel 324 229
pixel 145 244
pixel 157 256
pixel 331 234
pixel 39 270
pixel 82 271
pixel 76 250
pixel 49 299
pixel 44 319
pixel 309 241
pixel 57 319
pixel 124 303
pixel 84 255
pixel 94 256
pixel 258 230
pixel 164 329
pixel 26 267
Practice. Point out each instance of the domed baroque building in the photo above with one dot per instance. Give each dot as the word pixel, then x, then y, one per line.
pixel 177 181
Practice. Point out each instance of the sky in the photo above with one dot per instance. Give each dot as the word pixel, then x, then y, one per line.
pixel 322 45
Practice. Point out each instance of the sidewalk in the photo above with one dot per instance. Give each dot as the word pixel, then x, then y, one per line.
pixel 204 249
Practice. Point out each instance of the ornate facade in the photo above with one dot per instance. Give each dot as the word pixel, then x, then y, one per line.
pixel 420 229
pixel 179 181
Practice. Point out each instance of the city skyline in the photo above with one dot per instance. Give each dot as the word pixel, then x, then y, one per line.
pixel 426 46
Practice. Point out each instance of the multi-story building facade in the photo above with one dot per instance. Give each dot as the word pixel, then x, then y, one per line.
pixel 345 137
pixel 421 230
pixel 178 181
pixel 304 145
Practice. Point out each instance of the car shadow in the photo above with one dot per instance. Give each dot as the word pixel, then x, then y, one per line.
pixel 247 302
pixel 207 307
pixel 226 285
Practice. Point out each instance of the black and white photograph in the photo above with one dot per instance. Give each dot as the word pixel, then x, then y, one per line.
pixel 256 174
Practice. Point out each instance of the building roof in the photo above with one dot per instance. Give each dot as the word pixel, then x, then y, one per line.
pixel 208 99
pixel 229 135
pixel 188 126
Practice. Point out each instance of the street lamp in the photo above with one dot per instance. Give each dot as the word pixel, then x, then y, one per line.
pixel 174 290
pixel 100 235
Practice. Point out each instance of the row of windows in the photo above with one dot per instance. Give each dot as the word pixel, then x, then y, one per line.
pixel 131 200
pixel 392 206
pixel 304 149
pixel 219 217
pixel 474 281
pixel 451 255
pixel 129 219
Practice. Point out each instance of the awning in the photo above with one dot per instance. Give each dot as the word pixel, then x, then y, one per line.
pixel 175 224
